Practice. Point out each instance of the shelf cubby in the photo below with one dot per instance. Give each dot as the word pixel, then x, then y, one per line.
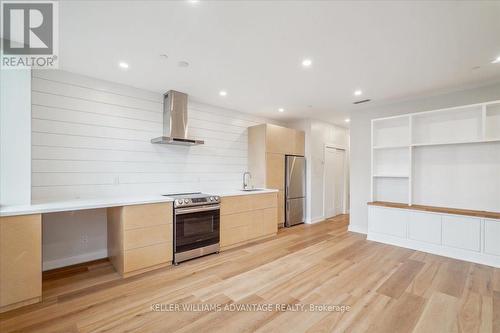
pixel 454 125
pixel 448 157
pixel 391 189
pixel 392 131
pixel 395 161
pixel 492 122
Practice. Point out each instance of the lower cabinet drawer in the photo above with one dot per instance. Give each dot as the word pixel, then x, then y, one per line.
pixel 141 237
pixel 261 201
pixel 234 235
pixel 462 232
pixel 138 216
pixel 147 256
pixel 269 218
pixel 492 237
pixel 236 220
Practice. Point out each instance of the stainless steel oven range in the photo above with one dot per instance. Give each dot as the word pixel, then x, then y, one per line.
pixel 196 225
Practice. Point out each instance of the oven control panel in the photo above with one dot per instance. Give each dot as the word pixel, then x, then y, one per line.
pixel 186 202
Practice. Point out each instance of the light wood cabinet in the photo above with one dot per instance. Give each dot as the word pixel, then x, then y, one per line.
pixel 247 218
pixel 299 140
pixel 280 139
pixel 275 167
pixel 20 261
pixel 281 207
pixel 267 147
pixel 140 237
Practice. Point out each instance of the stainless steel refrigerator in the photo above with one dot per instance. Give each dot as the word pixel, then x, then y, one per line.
pixel 295 190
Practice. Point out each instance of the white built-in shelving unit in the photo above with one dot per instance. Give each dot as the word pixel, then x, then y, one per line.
pixel 441 157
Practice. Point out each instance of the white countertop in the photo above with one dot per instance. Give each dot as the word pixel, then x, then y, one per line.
pixel 80 204
pixel 241 192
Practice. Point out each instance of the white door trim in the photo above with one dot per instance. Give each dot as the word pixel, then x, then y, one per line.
pixel 340 147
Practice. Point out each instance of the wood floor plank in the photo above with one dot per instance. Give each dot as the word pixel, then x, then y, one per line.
pixel 401 279
pixel 470 313
pixel 496 311
pixel 386 289
pixel 440 315
pixel 401 315
pixel 452 277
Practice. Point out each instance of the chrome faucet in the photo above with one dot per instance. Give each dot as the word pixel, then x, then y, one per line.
pixel 246 184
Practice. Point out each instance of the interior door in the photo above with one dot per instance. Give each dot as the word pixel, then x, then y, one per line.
pixel 334 181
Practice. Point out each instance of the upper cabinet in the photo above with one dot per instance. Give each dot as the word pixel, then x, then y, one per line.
pixel 299 141
pixel 283 140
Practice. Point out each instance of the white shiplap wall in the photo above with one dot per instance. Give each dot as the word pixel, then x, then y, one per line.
pixel 91 138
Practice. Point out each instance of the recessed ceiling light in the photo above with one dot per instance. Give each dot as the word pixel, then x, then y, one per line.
pixel 358 93
pixel 281 110
pixel 496 61
pixel 223 93
pixel 347 120
pixel 307 62
pixel 183 64
pixel 123 65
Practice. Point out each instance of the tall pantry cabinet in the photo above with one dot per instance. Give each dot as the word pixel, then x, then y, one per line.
pixel 267 146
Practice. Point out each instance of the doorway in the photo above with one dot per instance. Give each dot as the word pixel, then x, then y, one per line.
pixel 334 181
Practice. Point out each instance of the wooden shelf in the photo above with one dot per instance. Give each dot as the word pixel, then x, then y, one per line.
pixel 399 158
pixel 445 210
pixel 391 147
pixel 390 176
pixel 454 143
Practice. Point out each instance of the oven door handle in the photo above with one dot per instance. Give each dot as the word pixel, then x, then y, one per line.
pixel 180 211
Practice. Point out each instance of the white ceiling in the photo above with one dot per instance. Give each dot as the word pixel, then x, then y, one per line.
pixel 253 49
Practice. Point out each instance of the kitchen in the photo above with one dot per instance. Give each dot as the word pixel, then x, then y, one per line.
pixel 141 181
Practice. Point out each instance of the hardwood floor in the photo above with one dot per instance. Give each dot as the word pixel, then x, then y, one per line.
pixel 388 289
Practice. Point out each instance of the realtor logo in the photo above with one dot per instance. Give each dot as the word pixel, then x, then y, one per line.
pixel 29 34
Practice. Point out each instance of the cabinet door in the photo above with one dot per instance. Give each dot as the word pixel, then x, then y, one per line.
pixel 462 232
pixel 299 143
pixel 269 218
pixel 275 171
pixel 492 237
pixel 20 259
pixel 279 139
pixel 425 227
pixel 388 221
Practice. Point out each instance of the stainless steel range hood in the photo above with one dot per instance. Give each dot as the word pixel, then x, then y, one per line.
pixel 175 121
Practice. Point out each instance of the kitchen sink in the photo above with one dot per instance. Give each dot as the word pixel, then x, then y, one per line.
pixel 252 189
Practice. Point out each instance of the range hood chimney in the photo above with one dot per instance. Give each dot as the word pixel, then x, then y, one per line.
pixel 175 121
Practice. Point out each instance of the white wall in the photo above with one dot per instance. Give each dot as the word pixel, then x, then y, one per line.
pixel 360 139
pixel 73 237
pixel 91 138
pixel 319 134
pixel 15 137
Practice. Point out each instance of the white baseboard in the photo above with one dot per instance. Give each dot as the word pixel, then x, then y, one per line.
pixel 318 219
pixel 62 262
pixel 358 229
pixel 477 257
pixel 315 220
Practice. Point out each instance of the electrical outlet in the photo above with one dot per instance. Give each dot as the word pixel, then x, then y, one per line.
pixel 116 180
pixel 85 241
